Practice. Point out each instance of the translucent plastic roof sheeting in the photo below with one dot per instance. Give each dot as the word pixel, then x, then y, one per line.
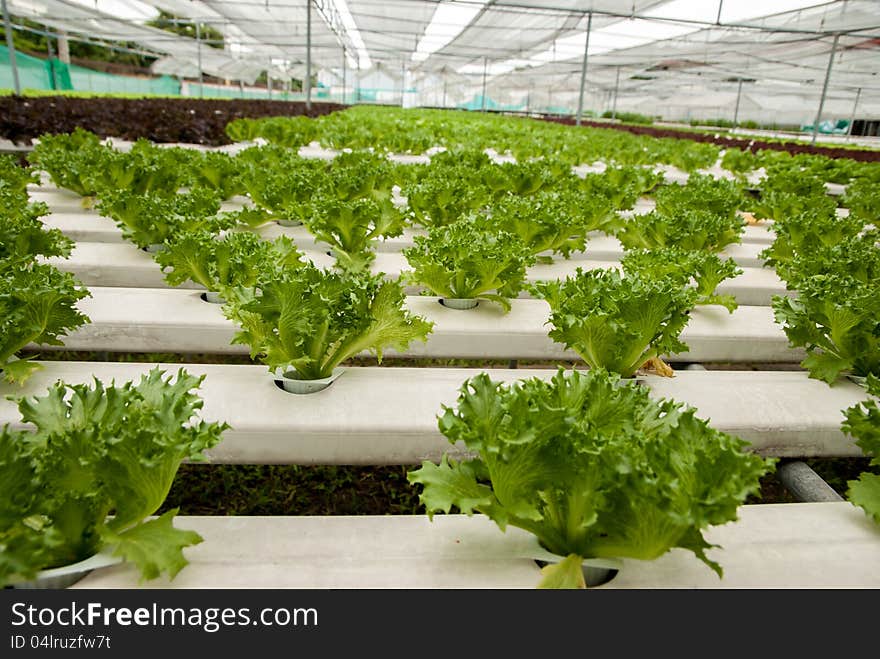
pixel 641 48
pixel 78 19
pixel 260 30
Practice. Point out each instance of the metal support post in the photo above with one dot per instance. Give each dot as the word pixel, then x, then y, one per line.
pixel 584 69
pixel 199 59
pixel 485 70
pixel 402 83
pixel 825 88
pixel 269 78
pixel 616 90
pixel 11 46
pixel 63 47
pixel 739 89
pixel 852 117
pixel 308 80
pixel 50 61
pixel 343 75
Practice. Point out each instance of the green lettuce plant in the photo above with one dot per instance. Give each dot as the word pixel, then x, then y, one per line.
pixel 230 266
pixel 352 228
pixel 462 260
pixel 703 271
pixel 38 304
pixel 686 229
pixel 445 196
pixel 554 221
pixel 836 318
pixel 150 219
pixel 70 159
pixel 96 466
pixel 310 320
pixel 617 322
pixel 863 423
pixel 23 235
pixel 808 233
pixel 702 193
pixel 592 467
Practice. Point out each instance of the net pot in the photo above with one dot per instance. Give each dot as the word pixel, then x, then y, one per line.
pixel 292 383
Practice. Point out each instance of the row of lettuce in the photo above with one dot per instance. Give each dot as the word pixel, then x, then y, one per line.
pixel 419 131
pixel 834 265
pixel 548 450
pixel 37 300
pixel 98 461
pixel 508 217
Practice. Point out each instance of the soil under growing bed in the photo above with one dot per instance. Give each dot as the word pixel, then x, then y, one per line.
pixel 214 489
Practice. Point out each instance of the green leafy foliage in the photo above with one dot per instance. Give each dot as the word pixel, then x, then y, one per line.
pixel 352 228
pixel 151 219
pixel 701 193
pixel 781 206
pixel 592 467
pixel 863 423
pixel 524 178
pixel 855 256
pixel 37 305
pixel 862 198
pixel 462 260
pixel 81 162
pixel 557 221
pixel 690 156
pixel 230 265
pixel 23 235
pixel 787 192
pixel 445 196
pixel 359 175
pixel 808 234
pixel 280 182
pixel 216 171
pixel 740 163
pixel 70 159
pixel 14 178
pixel 837 319
pixel 617 322
pixel 98 463
pixel 702 270
pixel 310 320
pixel 686 229
pixel 145 168
pixel 621 186
pixel 289 132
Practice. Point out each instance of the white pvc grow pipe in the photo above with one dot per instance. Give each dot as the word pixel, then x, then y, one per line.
pixel 781 413
pixel 769 546
pixel 157 320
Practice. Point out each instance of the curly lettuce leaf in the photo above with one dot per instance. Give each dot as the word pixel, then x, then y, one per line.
pixel 37 305
pixel 99 461
pixel 617 322
pixel 463 260
pixel 154 547
pixel 835 318
pixel 149 219
pixel 691 229
pixel 310 320
pixel 703 271
pixel 591 467
pixel 352 228
pixel 862 421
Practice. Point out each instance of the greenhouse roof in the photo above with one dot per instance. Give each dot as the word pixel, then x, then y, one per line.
pixel 636 46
